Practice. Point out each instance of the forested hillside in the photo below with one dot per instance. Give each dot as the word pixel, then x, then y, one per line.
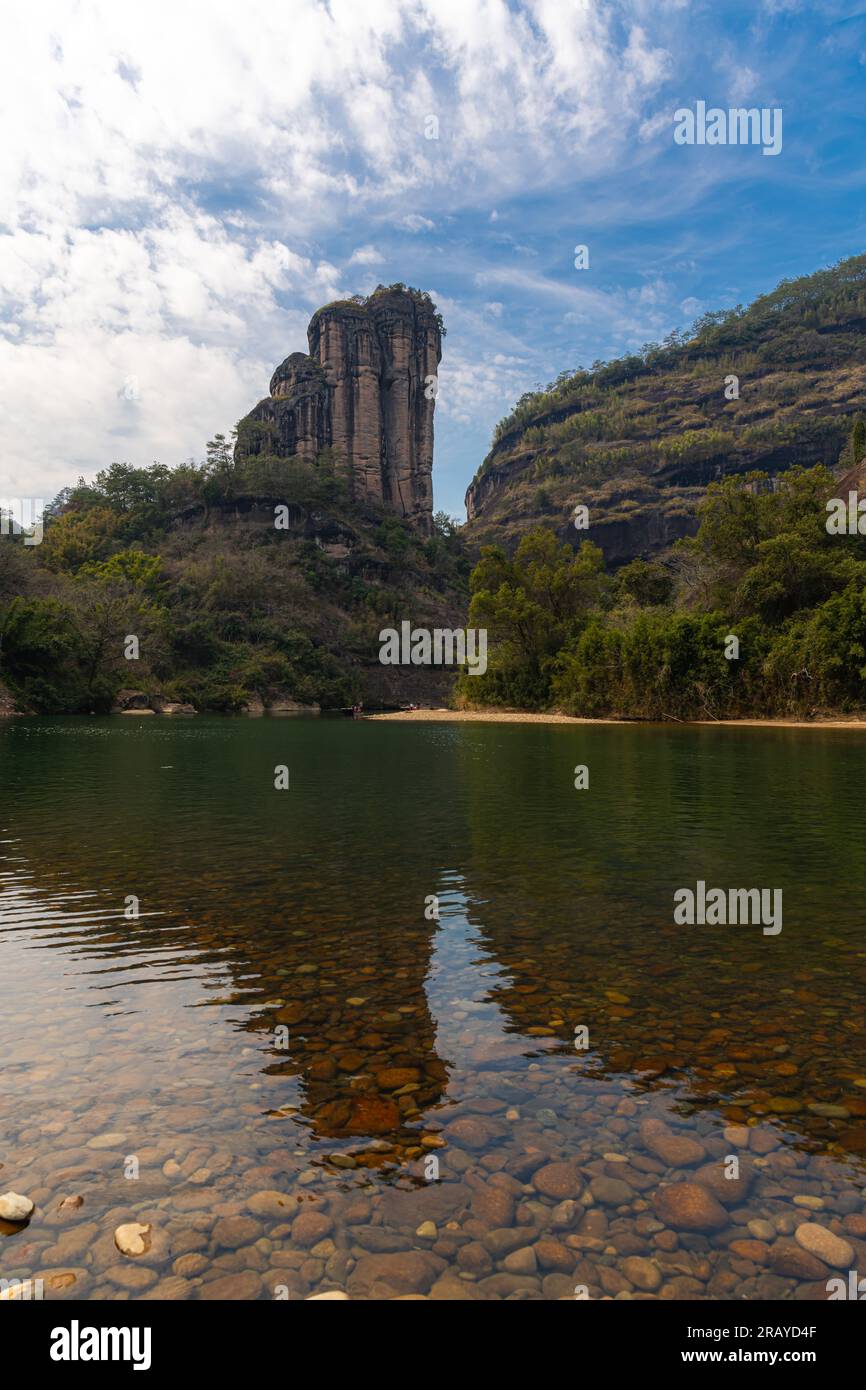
pixel 638 439
pixel 762 613
pixel 246 584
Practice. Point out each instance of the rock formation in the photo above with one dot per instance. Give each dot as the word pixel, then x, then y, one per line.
pixel 363 394
pixel 7 702
pixel 638 440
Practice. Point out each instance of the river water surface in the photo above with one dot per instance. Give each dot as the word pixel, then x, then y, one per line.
pixel 336 1048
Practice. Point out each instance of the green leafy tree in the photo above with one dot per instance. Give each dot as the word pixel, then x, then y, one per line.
pixel 530 606
pixel 39 655
pixel 78 538
pixel 130 567
pixel 645 583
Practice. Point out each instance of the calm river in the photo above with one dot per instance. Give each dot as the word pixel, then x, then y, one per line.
pixel 422 1023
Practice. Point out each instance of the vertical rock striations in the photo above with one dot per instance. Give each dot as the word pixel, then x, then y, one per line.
pixel 364 393
pixel 343 342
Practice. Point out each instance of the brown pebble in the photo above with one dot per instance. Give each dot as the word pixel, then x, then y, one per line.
pixel 309 1227
pixel 686 1206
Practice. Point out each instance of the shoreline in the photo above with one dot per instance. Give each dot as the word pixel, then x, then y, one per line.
pixel 477 716
pixel 457 716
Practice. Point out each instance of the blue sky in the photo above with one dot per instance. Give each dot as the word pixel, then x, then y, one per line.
pixel 177 198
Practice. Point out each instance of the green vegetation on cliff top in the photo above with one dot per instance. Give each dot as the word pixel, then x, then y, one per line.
pixel 227 608
pixel 641 436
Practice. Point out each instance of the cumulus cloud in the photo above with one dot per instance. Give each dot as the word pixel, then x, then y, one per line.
pixel 479 387
pixel 414 222
pixel 653 292
pixel 170 188
pixel 365 255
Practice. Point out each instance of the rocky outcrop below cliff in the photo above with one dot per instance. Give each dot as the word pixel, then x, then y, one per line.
pixel 362 398
pixel 7 702
pixel 140 702
pixel 630 517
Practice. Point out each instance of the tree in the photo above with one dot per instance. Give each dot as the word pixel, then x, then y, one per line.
pixel 647 584
pixel 132 567
pixel 445 525
pixel 531 606
pixel 858 441
pixel 221 468
pixel 77 538
pixel 39 655
pixel 106 613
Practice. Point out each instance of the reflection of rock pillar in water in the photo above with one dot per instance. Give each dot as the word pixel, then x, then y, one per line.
pixel 356 1060
pixel 463 977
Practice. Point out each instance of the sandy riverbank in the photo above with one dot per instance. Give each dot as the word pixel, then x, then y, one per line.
pixel 465 716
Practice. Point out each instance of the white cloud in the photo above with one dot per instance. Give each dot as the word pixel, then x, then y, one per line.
pixel 414 222
pixel 653 292
pixel 189 313
pixel 365 255
pixel 609 310
pixel 659 124
pixel 743 83
pixel 169 183
pixel 473 388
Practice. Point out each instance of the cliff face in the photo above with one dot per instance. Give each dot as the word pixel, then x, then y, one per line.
pixel 638 440
pixel 362 392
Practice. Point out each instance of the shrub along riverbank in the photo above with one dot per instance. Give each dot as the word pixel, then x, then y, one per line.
pixel 762 614
pixel 654 640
